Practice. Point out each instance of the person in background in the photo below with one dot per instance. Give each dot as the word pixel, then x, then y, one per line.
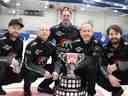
pixel 10 53
pixel 36 56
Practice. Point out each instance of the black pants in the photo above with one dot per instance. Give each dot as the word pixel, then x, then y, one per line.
pixel 7 76
pixel 87 71
pixel 45 84
pixel 88 79
pixel 31 76
pixel 104 82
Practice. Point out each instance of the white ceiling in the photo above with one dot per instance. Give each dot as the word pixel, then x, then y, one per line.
pixel 21 5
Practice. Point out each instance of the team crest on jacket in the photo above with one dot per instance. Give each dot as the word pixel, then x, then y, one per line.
pixel 28 52
pixel 64 41
pixel 33 44
pixel 59 33
pixel 41 60
pixel 78 49
pixel 110 55
pixel 53 42
pixel 97 47
pixel 37 52
pixel 96 41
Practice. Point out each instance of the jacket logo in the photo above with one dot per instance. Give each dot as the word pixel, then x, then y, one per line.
pixel 7 47
pixel 37 52
pixel 33 44
pixel 53 42
pixel 110 55
pixel 28 52
pixel 41 60
pixel 59 33
pixel 78 49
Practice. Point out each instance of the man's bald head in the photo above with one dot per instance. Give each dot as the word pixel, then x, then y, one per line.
pixel 44 32
pixel 86 31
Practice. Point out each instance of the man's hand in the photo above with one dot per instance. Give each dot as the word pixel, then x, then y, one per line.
pixel 111 68
pixel 47 75
pixel 14 63
pixel 55 75
pixel 15 66
pixel 125 93
pixel 115 82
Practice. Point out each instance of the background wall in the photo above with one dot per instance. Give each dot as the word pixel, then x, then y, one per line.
pixel 31 22
pixel 101 19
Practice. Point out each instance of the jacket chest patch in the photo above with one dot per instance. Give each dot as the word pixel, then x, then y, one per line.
pixel 59 33
pixel 7 47
pixel 78 49
pixel 37 52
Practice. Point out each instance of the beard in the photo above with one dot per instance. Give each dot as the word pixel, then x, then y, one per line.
pixel 87 40
pixel 66 23
pixel 115 40
pixel 14 35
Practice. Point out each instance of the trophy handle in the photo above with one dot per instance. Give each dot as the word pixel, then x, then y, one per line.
pixel 62 56
pixel 81 58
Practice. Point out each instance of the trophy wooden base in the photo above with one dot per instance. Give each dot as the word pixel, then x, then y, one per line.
pixel 69 86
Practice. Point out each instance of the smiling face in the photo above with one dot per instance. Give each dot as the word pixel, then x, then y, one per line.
pixel 114 33
pixel 114 36
pixel 14 30
pixel 44 32
pixel 66 17
pixel 86 32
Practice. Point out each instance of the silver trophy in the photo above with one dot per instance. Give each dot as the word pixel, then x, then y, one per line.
pixel 72 60
pixel 70 84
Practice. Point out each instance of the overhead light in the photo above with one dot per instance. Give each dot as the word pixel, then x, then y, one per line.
pixel 46 6
pixel 47 3
pixel 82 8
pixel 6 1
pixel 124 7
pixel 13 11
pixel 88 5
pixel 115 11
pixel 116 4
pixel 18 4
pixel 123 15
pixel 98 0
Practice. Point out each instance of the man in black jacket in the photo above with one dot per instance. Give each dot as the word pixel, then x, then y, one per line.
pixel 10 52
pixel 116 63
pixel 91 48
pixel 36 56
pixel 64 33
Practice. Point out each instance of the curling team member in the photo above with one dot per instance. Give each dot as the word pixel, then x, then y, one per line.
pixel 10 53
pixel 36 56
pixel 64 33
pixel 116 65
pixel 92 50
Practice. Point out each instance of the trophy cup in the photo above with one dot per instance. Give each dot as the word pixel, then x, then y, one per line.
pixel 70 84
pixel 71 60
